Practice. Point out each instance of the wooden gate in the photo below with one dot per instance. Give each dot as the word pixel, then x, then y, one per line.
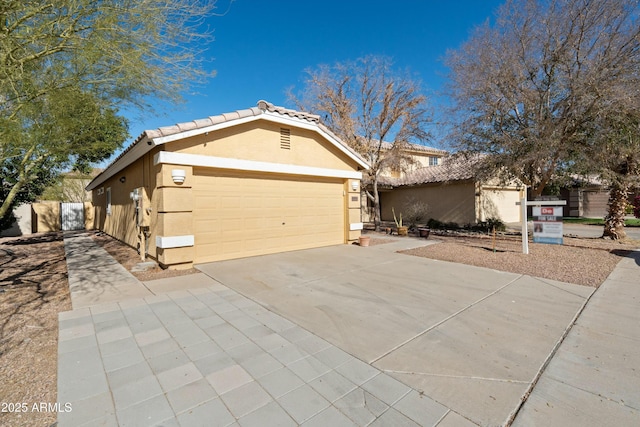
pixel 72 215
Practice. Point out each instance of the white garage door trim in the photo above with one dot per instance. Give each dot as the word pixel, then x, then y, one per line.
pixel 200 160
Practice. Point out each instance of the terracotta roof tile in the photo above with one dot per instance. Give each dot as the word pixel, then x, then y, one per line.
pixel 416 147
pixel 261 108
pixel 452 170
pixel 267 106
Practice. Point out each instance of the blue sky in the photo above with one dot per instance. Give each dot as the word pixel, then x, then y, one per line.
pixel 261 48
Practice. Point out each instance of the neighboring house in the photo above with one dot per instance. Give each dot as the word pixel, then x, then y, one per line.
pixel 451 192
pixel 250 182
pixel 586 197
pixel 422 156
pixel 71 187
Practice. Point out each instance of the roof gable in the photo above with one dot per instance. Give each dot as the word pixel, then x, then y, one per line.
pixel 264 111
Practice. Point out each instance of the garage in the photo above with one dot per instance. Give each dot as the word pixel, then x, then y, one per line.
pixel 249 182
pixel 246 214
pixel 501 203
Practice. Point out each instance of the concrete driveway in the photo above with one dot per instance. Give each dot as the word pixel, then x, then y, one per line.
pixel 473 339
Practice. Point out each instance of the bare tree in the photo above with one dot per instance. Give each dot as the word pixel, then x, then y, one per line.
pixel 530 89
pixel 367 102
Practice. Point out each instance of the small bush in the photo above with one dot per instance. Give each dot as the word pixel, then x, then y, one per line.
pixel 439 225
pixel 415 212
pixel 435 224
pixel 497 223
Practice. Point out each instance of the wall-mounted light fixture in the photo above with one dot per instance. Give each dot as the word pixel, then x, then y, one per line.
pixel 178 175
pixel 354 185
pixel 123 179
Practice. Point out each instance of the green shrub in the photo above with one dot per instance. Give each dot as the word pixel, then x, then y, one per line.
pixel 439 225
pixel 497 223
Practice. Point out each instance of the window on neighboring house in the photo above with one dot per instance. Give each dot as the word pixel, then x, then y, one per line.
pixel 433 161
pixel 108 200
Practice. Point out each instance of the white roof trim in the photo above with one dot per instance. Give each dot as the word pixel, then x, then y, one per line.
pixel 269 116
pixel 250 165
pixel 136 152
pixel 145 144
pixel 199 131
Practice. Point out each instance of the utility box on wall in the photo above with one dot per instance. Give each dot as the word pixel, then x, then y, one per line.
pixel 143 206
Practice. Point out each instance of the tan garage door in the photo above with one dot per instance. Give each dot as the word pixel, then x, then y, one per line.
pixel 240 215
pixel 501 204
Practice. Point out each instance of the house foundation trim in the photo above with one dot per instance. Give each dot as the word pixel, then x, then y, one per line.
pixel 167 242
pixel 249 165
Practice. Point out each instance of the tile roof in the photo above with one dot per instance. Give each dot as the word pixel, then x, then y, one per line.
pixel 227 117
pixel 451 170
pixel 261 108
pixel 416 147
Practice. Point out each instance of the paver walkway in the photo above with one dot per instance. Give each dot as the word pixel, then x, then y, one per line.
pixel 211 357
pixel 94 276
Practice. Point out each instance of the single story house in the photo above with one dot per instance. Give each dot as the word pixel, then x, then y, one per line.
pixel 251 182
pixel 452 193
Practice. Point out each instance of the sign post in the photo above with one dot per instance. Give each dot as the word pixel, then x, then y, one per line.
pixel 525 231
pixel 548 223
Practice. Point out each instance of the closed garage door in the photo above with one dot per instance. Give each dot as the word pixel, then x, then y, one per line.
pixel 240 215
pixel 501 204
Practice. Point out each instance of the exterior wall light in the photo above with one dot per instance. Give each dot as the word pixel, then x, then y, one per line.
pixel 123 179
pixel 178 175
pixel 354 185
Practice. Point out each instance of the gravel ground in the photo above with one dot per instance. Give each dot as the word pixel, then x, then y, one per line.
pixel 33 290
pixel 581 261
pixel 129 258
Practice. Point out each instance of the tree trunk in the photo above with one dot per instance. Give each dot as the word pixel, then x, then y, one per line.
pixel 536 192
pixel 7 203
pixel 376 205
pixel 614 221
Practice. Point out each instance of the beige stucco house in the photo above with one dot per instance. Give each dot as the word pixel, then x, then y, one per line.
pixel 250 182
pixel 449 188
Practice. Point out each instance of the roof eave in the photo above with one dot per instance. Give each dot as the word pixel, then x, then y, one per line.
pixel 144 143
pixel 139 148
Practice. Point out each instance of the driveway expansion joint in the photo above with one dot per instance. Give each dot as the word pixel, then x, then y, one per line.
pixel 470 377
pixel 432 327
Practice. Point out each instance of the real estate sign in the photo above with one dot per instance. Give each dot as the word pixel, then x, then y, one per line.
pixel 547 224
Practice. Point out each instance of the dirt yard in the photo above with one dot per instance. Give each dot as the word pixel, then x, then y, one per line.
pixel 129 258
pixel 33 290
